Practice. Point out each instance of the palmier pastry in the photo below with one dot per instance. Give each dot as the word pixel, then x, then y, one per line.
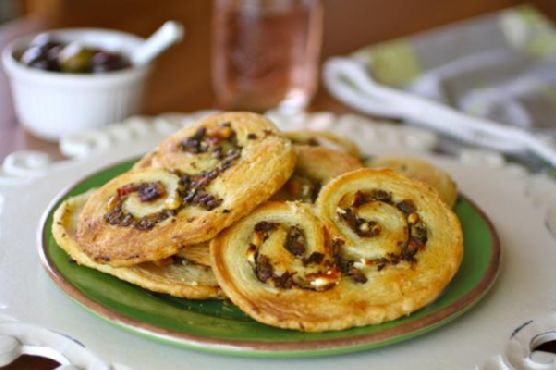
pixel 175 276
pixel 315 167
pixel 394 242
pixel 324 139
pixel 423 171
pixel 197 182
pixel 198 253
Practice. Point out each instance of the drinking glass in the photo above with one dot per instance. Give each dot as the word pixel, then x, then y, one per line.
pixel 265 53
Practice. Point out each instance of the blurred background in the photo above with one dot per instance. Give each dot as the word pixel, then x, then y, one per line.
pixel 181 79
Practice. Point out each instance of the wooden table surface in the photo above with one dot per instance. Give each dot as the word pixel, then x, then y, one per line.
pixel 181 80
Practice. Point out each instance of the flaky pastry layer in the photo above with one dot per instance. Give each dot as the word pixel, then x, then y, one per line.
pixel 217 184
pixel 179 278
pixel 393 242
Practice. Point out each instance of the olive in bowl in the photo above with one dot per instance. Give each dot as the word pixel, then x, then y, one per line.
pixel 72 80
pixel 47 53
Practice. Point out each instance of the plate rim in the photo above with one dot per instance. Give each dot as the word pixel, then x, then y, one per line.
pixel 253 348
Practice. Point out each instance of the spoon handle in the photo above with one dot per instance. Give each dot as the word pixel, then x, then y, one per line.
pixel 168 34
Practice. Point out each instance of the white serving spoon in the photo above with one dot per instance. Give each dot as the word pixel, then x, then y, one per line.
pixel 168 34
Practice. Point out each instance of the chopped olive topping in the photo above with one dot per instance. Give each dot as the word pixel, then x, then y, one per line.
pixel 150 221
pixel 192 190
pixel 263 268
pixel 361 197
pixel 359 225
pixel 295 242
pixel 345 266
pixel 195 143
pixel 265 272
pixel 381 195
pixel 145 224
pixel 205 200
pixel 394 259
pixel 357 276
pixel 251 136
pixel 419 231
pixel 221 141
pixel 284 280
pixel 118 217
pixel 263 227
pixel 146 192
pixel 406 206
pixel 335 250
pixel 416 241
pixel 193 186
pixel 151 191
pixel 314 258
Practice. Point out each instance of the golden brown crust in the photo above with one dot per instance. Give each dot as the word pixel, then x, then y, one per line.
pixel 422 171
pixel 315 167
pixel 385 282
pixel 178 278
pixel 198 253
pixel 324 139
pixel 148 161
pixel 262 163
pixel 323 164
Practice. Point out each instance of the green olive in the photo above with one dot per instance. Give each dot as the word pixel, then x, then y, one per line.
pixel 76 59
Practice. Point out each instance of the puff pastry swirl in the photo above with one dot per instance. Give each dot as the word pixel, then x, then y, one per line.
pixel 176 276
pixel 196 183
pixel 386 246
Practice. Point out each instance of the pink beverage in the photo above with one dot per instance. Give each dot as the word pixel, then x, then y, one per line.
pixel 265 53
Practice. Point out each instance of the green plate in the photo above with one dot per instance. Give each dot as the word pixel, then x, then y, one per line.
pixel 217 326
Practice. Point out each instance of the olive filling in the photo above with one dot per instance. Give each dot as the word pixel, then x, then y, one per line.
pixel 359 225
pixel 295 242
pixel 346 266
pixel 221 141
pixel 150 192
pixel 417 232
pixel 147 192
pixel 296 245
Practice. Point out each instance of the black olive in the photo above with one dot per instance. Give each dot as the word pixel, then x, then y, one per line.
pixel 104 61
pixel 47 53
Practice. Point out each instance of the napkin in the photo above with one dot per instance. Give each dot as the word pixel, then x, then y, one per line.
pixel 498 69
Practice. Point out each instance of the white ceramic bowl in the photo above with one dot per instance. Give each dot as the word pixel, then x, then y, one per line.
pixel 51 105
